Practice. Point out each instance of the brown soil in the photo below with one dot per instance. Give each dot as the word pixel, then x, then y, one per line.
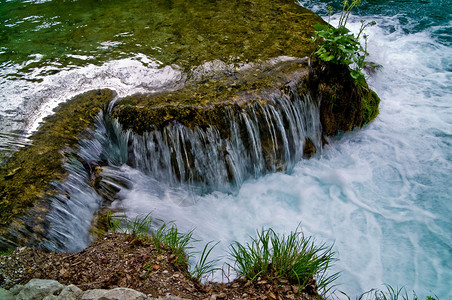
pixel 115 260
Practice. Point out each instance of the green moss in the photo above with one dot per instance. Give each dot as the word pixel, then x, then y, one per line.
pixel 369 102
pixel 26 176
pixel 203 102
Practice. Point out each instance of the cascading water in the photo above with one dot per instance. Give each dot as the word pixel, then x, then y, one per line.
pixel 198 161
pixel 201 158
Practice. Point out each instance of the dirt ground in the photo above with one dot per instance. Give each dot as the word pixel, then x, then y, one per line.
pixel 115 260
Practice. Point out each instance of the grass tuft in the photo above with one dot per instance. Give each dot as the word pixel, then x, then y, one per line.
pixel 294 258
pixel 167 236
pixel 178 243
pixel 204 267
pixel 6 252
pixel 390 293
pixel 139 227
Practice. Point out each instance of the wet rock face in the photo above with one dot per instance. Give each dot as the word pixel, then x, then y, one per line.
pixel 345 104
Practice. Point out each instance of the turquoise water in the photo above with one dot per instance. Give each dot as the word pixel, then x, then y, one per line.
pixel 382 194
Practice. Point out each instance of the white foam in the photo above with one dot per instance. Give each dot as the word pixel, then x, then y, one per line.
pixel 31 101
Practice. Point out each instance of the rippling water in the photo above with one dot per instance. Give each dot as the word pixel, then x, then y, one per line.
pixel 382 194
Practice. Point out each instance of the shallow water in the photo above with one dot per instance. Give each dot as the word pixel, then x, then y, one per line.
pixel 380 194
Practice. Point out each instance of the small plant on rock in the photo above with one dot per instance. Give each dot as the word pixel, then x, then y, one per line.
pixel 340 46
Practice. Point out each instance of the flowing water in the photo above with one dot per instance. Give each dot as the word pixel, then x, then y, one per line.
pixel 380 194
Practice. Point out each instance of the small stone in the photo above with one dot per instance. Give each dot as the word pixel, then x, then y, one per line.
pixel 71 292
pixel 271 295
pixel 124 294
pixel 155 267
pixel 94 294
pixel 64 273
pixel 160 257
pixel 39 288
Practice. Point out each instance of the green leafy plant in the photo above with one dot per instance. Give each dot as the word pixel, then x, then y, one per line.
pixel 294 258
pixel 340 46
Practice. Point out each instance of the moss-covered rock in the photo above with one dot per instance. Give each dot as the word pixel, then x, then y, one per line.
pixel 25 179
pixel 203 102
pixel 344 103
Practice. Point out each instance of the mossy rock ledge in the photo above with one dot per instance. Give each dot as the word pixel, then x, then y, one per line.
pixel 26 178
pixel 272 56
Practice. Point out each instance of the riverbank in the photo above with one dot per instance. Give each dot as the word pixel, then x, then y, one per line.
pixel 116 260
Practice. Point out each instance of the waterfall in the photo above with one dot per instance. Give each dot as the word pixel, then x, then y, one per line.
pixel 260 138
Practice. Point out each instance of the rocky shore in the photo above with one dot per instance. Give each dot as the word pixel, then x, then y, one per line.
pixel 51 289
pixel 117 267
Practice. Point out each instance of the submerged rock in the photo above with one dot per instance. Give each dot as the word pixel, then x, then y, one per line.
pixel 202 102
